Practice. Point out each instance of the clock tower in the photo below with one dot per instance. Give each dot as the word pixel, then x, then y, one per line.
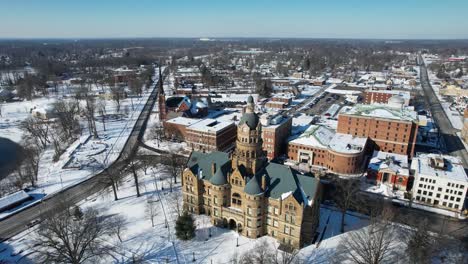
pixel 249 153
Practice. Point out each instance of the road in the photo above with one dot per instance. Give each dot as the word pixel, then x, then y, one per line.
pixel 453 144
pixel 18 222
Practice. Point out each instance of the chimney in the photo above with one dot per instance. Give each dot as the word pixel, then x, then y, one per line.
pixel 264 183
pixel 213 168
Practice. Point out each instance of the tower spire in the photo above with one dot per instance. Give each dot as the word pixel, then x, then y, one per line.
pixel 161 98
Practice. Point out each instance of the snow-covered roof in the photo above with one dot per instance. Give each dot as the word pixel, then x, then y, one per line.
pixel 385 160
pixel 315 136
pixel 452 169
pixel 12 199
pixel 345 143
pixel 381 111
pixel 210 125
pixel 404 94
pixel 183 121
pixel 319 136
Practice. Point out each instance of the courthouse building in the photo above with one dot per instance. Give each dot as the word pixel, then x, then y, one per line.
pixel 245 192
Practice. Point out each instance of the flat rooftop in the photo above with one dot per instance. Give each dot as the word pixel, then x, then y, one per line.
pixel 345 143
pixel 402 94
pixel 381 111
pixel 453 168
pixel 273 121
pixel 210 125
pixel 185 121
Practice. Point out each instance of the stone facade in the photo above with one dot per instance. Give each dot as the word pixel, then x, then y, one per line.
pixel 246 193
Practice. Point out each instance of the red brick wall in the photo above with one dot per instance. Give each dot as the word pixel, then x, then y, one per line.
pixel 393 136
pixel 336 162
pixel 376 97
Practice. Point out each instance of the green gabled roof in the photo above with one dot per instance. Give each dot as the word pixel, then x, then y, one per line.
pixel 283 179
pixel 253 187
pixel 199 161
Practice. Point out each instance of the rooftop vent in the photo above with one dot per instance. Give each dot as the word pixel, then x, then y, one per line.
pixel 438 163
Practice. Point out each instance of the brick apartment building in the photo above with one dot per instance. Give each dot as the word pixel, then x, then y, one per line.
pixel 391 129
pixel 320 146
pixel 248 194
pixel 210 135
pixel 202 134
pixel 383 96
pixel 275 132
pixel 279 101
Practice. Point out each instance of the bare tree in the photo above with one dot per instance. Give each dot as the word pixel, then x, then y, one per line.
pixel 67 113
pixel 175 165
pixel 37 129
pixel 151 209
pixel 373 244
pixel 345 196
pixel 113 179
pixel 118 95
pixel 288 255
pixel 157 132
pixel 136 86
pixel 31 154
pixel 134 171
pixel 419 245
pixel 89 112
pixel 266 253
pixel 119 224
pixel 101 106
pixel 62 238
pixel 175 199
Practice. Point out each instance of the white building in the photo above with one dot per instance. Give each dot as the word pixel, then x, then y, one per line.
pixel 439 181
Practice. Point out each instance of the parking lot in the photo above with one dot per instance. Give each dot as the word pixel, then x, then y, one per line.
pixel 323 102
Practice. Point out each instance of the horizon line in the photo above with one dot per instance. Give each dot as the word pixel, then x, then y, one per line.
pixel 229 37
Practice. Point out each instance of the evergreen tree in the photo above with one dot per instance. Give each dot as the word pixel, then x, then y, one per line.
pixel 185 227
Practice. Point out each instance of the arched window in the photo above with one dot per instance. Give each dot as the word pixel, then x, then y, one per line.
pixel 236 199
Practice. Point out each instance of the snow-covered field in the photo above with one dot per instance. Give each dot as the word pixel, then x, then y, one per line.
pixel 159 244
pixel 15 112
pixel 86 156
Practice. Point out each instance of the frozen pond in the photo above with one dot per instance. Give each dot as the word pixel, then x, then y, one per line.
pixel 9 153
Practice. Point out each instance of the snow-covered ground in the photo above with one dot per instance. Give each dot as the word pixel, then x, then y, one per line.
pixel 15 112
pixel 159 243
pixel 87 156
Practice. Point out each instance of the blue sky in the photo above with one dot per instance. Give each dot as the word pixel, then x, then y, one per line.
pixel 236 18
